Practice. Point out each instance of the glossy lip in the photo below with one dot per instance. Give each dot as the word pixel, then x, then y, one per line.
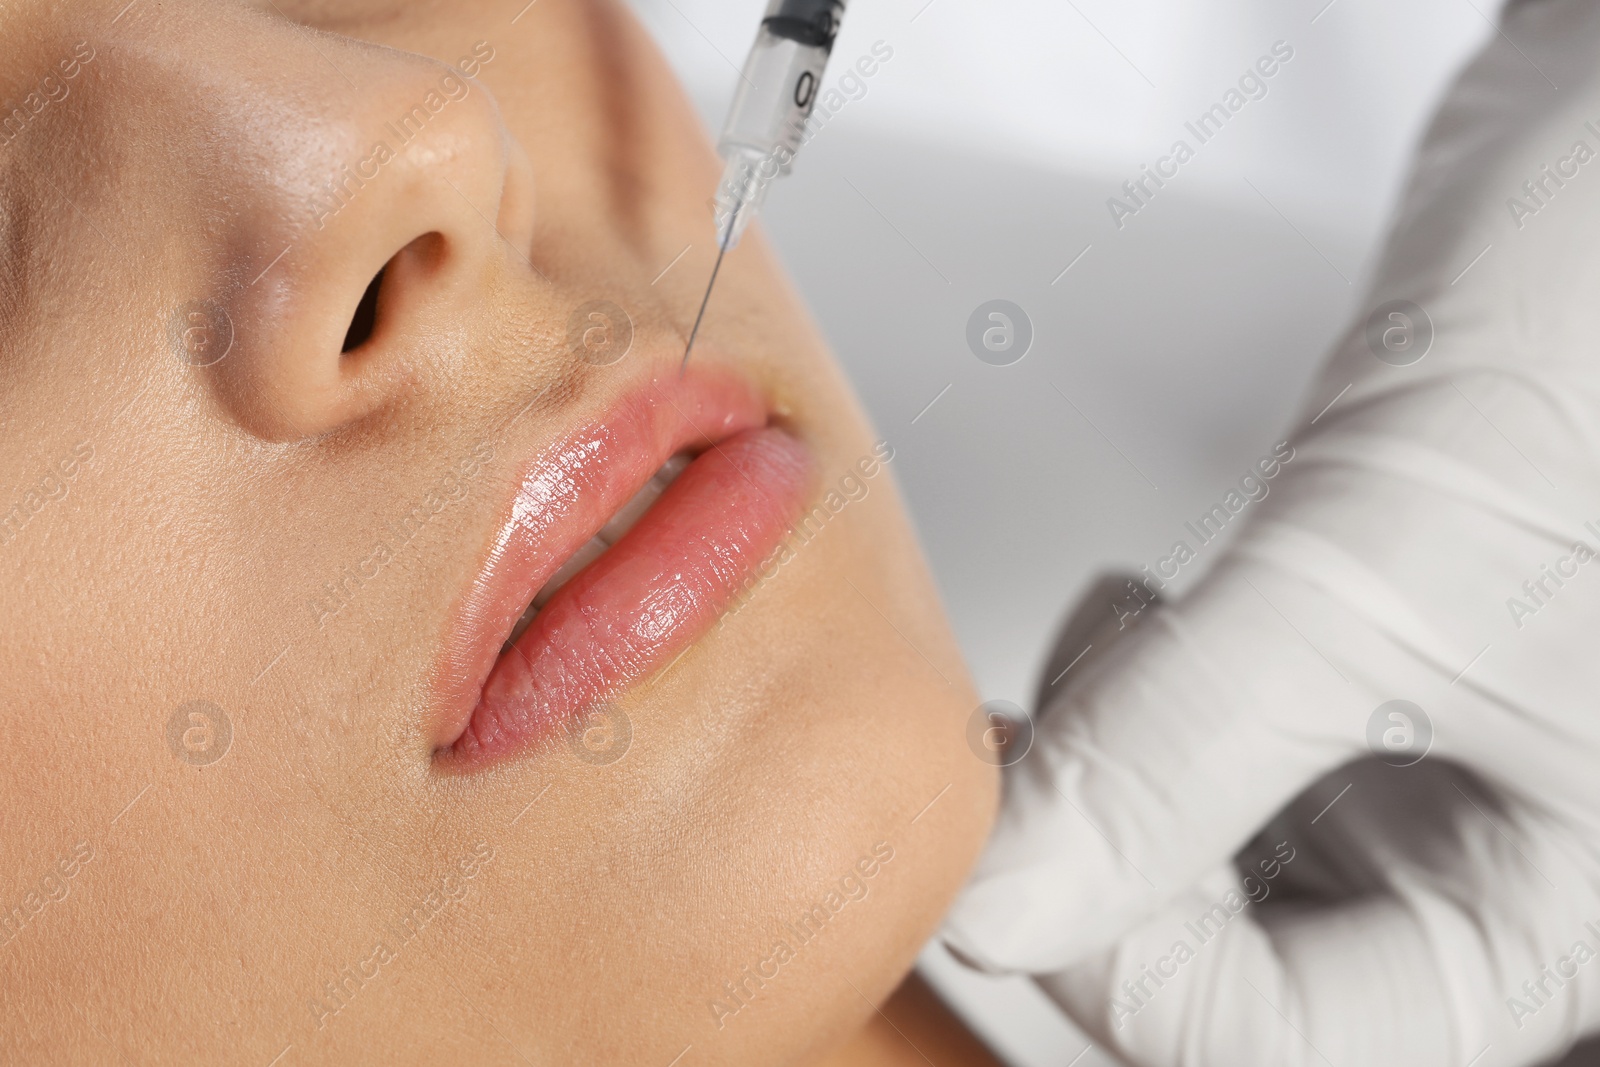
pixel 655 592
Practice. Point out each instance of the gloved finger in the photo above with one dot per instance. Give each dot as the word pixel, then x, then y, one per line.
pixel 1161 761
pixel 1200 985
pixel 1473 950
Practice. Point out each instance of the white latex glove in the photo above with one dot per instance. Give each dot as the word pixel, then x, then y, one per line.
pixel 1400 922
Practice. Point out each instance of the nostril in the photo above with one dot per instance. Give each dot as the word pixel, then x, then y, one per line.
pixel 365 320
pixel 387 311
pixel 383 306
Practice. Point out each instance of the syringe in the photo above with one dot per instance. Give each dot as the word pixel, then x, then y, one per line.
pixel 777 89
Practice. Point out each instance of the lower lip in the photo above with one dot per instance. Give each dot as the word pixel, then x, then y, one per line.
pixel 654 593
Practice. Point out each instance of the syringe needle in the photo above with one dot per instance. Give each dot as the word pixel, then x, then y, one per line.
pixel 697 319
pixel 721 251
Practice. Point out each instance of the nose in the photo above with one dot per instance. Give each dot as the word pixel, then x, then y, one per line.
pixel 395 204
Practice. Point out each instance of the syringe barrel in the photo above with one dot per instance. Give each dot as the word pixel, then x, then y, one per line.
pixel 781 80
pixel 777 90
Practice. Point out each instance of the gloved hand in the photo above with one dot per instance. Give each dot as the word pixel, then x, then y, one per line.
pixel 1432 540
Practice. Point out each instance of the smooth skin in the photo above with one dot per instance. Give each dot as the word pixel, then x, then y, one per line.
pixel 164 525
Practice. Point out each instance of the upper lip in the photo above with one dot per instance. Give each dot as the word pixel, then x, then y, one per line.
pixel 562 496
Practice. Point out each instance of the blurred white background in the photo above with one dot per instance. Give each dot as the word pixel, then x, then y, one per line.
pixel 1172 353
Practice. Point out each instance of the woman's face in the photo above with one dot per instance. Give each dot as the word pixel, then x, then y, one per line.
pixel 270 781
